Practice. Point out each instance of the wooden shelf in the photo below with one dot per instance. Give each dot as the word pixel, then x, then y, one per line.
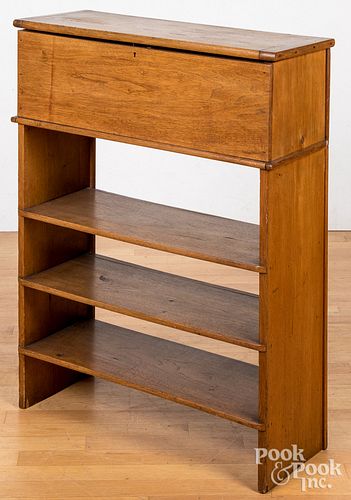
pixel 202 380
pixel 194 306
pixel 215 239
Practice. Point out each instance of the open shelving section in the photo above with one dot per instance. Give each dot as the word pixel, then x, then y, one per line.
pixel 253 98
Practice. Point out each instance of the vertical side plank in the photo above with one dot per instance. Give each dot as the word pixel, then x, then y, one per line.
pixel 262 483
pixel 292 308
pixel 50 165
pixel 92 179
pixel 45 314
pixel 43 245
pixel 298 103
pixel 42 314
pixel 41 380
pixel 325 376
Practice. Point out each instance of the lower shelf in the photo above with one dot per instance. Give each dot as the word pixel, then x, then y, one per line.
pixel 209 382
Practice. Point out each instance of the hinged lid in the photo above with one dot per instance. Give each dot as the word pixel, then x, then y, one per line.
pixel 233 42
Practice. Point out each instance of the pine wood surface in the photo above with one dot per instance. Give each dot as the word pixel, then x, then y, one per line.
pixel 191 101
pixel 50 164
pixel 184 232
pixel 293 334
pixel 149 95
pixel 101 440
pixel 295 100
pixel 193 377
pixel 194 306
pixel 142 142
pixel 177 35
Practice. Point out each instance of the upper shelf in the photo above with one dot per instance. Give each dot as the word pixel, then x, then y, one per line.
pixel 207 237
pixel 233 42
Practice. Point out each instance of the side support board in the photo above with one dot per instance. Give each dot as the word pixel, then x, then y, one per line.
pixel 292 316
pixel 51 164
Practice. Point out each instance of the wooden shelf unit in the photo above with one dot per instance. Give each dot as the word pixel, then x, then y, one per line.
pixel 253 98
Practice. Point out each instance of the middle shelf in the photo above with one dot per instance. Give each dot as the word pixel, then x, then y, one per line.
pixel 197 307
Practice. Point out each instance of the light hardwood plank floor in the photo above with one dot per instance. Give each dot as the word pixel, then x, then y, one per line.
pixel 100 440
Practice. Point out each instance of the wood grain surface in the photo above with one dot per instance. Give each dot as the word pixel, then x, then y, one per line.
pixel 326 260
pixel 184 232
pixel 198 307
pixel 298 105
pixel 51 164
pixel 140 142
pixel 292 309
pixel 212 383
pixel 196 101
pixel 177 35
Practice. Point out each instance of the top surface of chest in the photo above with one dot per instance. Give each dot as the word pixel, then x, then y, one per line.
pixel 233 42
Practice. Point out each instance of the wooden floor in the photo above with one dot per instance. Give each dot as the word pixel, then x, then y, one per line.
pixel 100 440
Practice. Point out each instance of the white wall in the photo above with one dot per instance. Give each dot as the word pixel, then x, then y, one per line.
pixel 179 180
